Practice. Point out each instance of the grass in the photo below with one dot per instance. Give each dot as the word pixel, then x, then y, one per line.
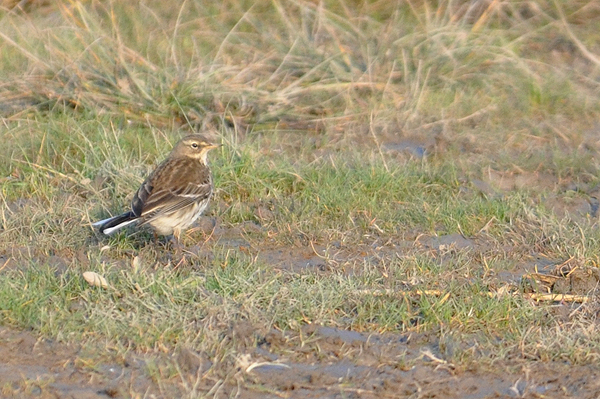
pixel 311 102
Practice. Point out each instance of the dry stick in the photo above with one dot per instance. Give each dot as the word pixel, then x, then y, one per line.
pixel 5 263
pixel 535 296
pixel 558 297
pixel 389 291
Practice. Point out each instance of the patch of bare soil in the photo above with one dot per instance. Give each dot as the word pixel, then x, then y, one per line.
pixel 321 362
pixel 41 368
pixel 331 363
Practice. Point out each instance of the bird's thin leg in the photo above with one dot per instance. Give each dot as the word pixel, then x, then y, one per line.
pixel 176 236
pixel 177 242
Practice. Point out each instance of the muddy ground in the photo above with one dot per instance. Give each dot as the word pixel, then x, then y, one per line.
pixel 318 362
pixel 372 366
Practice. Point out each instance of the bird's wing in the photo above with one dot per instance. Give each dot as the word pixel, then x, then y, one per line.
pixel 165 201
pixel 173 185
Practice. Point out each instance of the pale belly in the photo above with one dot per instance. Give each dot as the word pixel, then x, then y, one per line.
pixel 177 221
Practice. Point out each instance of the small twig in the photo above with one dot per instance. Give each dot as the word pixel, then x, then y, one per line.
pixel 534 296
pixel 389 291
pixel 5 263
pixel 558 297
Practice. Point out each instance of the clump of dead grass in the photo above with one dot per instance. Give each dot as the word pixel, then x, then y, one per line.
pixel 396 68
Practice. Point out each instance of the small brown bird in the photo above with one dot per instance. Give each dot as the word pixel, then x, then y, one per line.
pixel 174 195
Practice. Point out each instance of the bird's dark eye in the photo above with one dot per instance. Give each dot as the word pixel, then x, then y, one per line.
pixel 194 145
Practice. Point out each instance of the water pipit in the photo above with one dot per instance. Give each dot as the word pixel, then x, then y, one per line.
pixel 174 195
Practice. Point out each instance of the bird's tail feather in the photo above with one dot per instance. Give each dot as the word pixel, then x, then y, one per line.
pixel 110 225
pixel 101 222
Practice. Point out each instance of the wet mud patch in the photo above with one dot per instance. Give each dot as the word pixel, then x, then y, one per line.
pixel 320 258
pixel 507 181
pixel 578 208
pixel 43 368
pixel 564 197
pixel 444 243
pixel 21 258
pixel 316 362
pixel 325 362
pixel 293 259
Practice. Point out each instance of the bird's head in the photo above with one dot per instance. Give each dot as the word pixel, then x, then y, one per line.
pixel 194 146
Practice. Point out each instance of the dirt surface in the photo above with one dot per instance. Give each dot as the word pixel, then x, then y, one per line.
pixel 37 367
pixel 332 363
pixel 320 361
